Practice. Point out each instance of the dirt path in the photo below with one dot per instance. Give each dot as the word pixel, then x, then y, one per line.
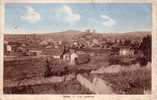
pixel 97 86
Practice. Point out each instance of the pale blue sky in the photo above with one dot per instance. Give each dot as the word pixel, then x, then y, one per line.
pixel 56 17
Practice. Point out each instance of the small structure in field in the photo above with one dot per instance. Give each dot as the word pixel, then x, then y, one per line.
pixel 9 48
pixel 126 51
pixel 35 52
pixel 66 57
pixel 75 44
pixel 43 43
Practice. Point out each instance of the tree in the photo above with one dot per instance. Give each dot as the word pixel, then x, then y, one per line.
pixel 146 47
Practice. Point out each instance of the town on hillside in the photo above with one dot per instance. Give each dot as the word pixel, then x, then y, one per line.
pixel 56 63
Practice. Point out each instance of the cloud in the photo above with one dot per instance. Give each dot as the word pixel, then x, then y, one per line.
pixel 69 15
pixel 31 15
pixel 67 10
pixel 108 21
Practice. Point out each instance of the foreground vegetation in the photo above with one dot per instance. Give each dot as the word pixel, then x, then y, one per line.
pixel 129 82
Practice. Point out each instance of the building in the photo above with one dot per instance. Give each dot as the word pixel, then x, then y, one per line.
pixel 126 51
pixel 35 52
pixel 66 57
pixel 7 49
pixel 73 57
pixel 43 43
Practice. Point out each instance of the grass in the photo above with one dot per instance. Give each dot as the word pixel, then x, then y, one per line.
pixel 129 82
pixel 69 87
pixel 125 82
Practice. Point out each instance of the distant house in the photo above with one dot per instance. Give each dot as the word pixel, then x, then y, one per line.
pixel 35 52
pixel 69 56
pixel 66 57
pixel 126 51
pixel 56 53
pixel 95 41
pixel 60 42
pixel 7 49
pixel 75 43
pixel 43 43
pixel 20 49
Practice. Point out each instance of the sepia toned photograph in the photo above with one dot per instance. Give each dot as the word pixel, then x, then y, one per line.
pixel 77 48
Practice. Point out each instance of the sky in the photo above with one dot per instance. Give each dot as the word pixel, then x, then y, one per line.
pixel 57 17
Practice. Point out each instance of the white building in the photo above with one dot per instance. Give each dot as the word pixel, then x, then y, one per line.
pixel 126 52
pixel 8 48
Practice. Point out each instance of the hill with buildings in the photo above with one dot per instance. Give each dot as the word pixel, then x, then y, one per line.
pixel 71 35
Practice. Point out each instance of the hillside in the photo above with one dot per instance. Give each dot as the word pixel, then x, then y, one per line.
pixel 70 35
